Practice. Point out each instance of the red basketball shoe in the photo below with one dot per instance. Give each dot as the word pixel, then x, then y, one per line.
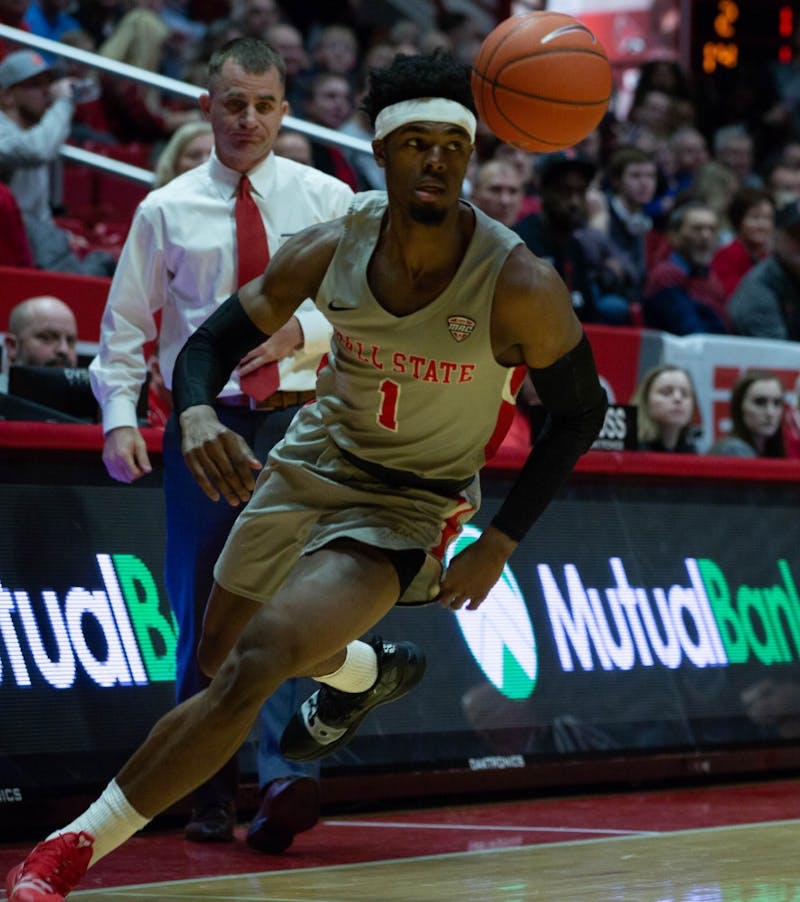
pixel 52 869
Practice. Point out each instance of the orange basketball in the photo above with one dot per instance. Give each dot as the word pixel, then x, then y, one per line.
pixel 541 81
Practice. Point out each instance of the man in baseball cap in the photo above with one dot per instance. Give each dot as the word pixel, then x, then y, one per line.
pixel 36 109
pixel 20 66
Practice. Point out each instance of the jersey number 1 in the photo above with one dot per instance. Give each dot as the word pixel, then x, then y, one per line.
pixel 387 412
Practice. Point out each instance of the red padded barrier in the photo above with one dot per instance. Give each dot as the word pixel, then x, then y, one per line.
pixel 86 295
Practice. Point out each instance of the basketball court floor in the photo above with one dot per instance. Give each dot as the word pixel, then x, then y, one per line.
pixel 717 843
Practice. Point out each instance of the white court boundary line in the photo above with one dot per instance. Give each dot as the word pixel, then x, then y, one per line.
pixel 124 890
pixel 494 828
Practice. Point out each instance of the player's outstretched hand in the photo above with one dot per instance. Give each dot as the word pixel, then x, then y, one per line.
pixel 218 458
pixel 474 570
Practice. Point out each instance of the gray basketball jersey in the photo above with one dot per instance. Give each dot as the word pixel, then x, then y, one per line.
pixel 420 393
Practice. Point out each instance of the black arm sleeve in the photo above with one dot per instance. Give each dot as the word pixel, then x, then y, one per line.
pixel 208 358
pixel 575 403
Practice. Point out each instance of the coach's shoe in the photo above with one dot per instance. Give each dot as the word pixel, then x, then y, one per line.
pixel 212 822
pixel 329 718
pixel 290 806
pixel 52 870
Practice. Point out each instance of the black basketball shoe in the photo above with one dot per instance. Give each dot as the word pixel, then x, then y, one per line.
pixel 329 718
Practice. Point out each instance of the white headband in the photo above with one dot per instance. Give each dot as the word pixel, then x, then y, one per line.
pixel 426 109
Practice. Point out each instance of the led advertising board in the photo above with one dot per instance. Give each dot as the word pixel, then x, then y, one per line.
pixel 637 616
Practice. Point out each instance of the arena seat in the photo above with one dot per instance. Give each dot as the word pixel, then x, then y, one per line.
pixel 86 295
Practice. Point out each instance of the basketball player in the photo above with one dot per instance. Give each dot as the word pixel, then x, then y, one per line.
pixel 437 310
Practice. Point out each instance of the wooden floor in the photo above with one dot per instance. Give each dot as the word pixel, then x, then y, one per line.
pixel 712 844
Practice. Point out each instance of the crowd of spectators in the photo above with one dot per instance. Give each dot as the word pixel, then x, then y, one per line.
pixel 678 213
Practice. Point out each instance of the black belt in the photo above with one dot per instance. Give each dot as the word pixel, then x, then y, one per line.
pixel 278 400
pixel 404 479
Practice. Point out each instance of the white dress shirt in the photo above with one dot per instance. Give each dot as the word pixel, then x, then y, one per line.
pixel 180 259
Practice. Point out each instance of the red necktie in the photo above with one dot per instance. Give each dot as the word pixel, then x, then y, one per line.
pixel 252 252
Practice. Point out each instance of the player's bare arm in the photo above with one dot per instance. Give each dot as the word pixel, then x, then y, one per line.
pixel 218 458
pixel 533 323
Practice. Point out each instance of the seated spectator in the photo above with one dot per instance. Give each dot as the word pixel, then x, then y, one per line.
pixel 135 112
pixel 189 146
pixel 649 121
pixel 734 147
pixel 667 75
pixel 497 191
pixel 330 103
pixel 666 406
pixel 524 163
pixel 15 249
pixel 288 41
pixel 99 18
pixel 433 40
pixel 632 180
pixel 216 36
pixel 752 216
pixel 766 303
pixel 677 161
pixel 716 184
pixel 756 413
pixel 336 50
pixel 783 183
pixel 463 30
pixel 553 234
pixel 35 117
pixel 42 331
pixel 294 145
pixel 690 151
pixel 255 17
pixel 682 295
pixel 370 175
pixel 404 31
pixel 50 19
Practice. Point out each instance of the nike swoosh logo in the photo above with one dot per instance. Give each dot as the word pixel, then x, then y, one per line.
pixel 332 305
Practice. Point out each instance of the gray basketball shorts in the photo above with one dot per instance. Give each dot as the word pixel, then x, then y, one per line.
pixel 308 495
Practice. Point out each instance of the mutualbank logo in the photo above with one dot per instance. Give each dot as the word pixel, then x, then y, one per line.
pixel 117 634
pixel 499 634
pixel 701 619
pixel 704 620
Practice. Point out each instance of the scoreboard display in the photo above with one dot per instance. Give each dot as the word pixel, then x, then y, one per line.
pixel 728 34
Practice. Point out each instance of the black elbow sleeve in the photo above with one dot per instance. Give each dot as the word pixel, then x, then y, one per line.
pixel 576 403
pixel 208 358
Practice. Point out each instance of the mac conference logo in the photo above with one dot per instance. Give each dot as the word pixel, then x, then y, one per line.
pixel 499 634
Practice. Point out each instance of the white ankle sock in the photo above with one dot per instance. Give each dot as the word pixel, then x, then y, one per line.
pixel 359 671
pixel 111 820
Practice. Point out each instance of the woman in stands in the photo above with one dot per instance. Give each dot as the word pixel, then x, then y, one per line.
pixel 189 146
pixel 666 407
pixel 752 216
pixel 757 405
